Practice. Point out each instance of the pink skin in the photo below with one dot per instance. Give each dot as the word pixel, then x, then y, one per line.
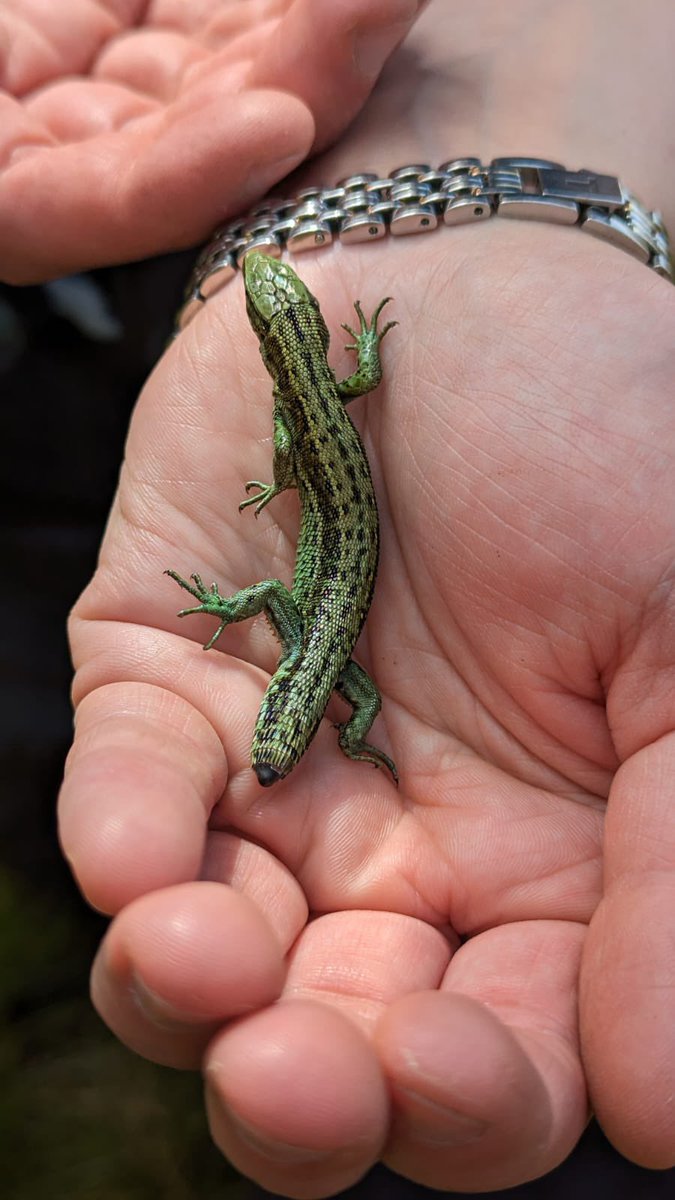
pixel 492 946
pixel 129 128
pixel 519 613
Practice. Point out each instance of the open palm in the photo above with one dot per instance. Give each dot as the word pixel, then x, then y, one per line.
pixel 129 128
pixel 522 452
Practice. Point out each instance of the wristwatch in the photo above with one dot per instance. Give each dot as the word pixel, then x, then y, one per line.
pixel 418 199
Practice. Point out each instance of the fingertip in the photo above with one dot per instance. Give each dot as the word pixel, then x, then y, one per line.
pixel 144 772
pixel 127 827
pixel 180 171
pixel 627 1026
pixel 177 963
pixel 296 1098
pixel 241 144
pixel 468 1103
pixel 358 38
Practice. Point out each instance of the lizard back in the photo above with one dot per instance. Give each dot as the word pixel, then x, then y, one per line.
pixel 318 451
pixel 338 543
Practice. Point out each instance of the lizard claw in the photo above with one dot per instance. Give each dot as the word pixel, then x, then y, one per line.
pixel 267 491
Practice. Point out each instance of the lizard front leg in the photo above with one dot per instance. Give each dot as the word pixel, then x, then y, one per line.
pixel 283 467
pixel 366 343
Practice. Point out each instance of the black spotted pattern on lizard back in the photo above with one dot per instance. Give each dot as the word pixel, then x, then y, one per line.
pixel 338 544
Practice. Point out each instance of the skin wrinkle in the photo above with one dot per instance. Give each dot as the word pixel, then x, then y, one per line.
pixel 176 422
pixel 168 699
pixel 155 765
pixel 129 11
pixel 490 507
pixel 478 471
pixel 106 112
pixel 35 33
pixel 494 591
pixel 21 22
pixel 614 581
pixel 421 592
pixel 162 62
pixel 133 670
pixel 621 695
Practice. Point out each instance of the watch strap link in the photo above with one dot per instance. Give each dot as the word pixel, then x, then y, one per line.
pixel 417 199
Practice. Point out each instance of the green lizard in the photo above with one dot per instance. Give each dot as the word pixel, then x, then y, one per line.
pixel 318 451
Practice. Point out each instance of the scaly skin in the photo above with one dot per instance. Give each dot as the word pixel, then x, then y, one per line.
pixel 318 450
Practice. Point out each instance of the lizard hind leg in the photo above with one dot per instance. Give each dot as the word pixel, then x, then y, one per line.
pixel 270 597
pixel 357 688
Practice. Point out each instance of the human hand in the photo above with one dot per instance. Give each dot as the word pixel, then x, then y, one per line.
pixel 486 947
pixel 129 129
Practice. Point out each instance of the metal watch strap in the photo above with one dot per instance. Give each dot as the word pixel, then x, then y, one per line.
pixel 417 199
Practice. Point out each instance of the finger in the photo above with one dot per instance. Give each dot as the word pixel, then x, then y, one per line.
pixel 486 1080
pixel 300 824
pixel 79 109
pixel 360 962
pixel 39 43
pixel 20 132
pixel 296 1099
pixel 353 962
pixel 152 62
pixel 160 182
pixel 145 770
pixel 252 870
pixel 177 963
pixel 628 979
pixel 191 18
pixel 335 72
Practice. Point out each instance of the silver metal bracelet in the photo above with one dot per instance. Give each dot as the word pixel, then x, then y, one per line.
pixel 417 198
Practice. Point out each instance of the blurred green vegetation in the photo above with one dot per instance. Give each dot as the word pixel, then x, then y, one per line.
pixel 80 1116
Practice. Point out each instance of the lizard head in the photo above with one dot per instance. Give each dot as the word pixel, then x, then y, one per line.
pixel 271 287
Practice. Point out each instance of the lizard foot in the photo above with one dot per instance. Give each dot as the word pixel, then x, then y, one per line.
pixel 267 492
pixel 360 751
pixel 210 601
pixel 368 333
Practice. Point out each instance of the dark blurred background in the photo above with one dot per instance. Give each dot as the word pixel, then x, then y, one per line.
pixel 80 1116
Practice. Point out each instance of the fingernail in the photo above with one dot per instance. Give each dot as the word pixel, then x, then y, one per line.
pixel 271 1149
pixel 439 1125
pixel 156 1010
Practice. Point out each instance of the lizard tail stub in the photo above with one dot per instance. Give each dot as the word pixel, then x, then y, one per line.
pixel 266 774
